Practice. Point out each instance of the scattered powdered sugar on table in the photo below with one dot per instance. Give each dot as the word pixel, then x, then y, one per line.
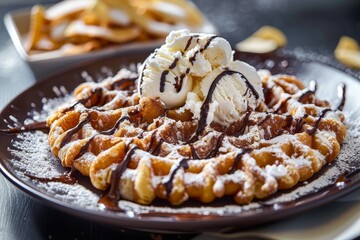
pixel 32 155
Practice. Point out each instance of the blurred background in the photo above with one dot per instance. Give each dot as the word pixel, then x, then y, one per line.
pixel 310 26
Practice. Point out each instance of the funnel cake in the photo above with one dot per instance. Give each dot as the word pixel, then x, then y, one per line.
pixel 138 150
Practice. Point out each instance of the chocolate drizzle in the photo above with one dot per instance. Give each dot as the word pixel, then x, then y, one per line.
pixel 118 83
pixel 165 73
pixel 193 58
pixel 188 43
pixel 85 147
pixel 111 199
pixel 299 124
pixel 313 130
pixel 193 152
pixel 342 96
pixel 179 81
pixel 213 152
pixel 267 117
pixel 244 124
pixel 238 158
pixel 141 134
pixel 207 44
pixel 163 79
pixel 74 130
pixel 66 178
pixel 206 105
pixel 305 94
pixel 173 65
pixel 116 125
pixel 111 131
pixel 157 148
pixel 96 91
pixel 183 163
pixel 311 91
pixel 41 126
pixel 282 104
pixel 142 78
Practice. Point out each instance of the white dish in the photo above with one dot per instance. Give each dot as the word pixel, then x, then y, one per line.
pixel 43 64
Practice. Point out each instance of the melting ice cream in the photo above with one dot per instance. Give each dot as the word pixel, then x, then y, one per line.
pixel 195 71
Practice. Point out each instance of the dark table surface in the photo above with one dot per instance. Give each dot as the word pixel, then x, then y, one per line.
pixel 311 26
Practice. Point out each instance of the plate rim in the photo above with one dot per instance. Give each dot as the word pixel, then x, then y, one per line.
pixel 103 216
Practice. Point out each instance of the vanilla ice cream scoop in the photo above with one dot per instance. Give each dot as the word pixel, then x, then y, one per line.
pixel 185 57
pixel 196 72
pixel 234 89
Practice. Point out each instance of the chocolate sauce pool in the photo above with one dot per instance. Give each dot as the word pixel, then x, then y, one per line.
pixel 42 126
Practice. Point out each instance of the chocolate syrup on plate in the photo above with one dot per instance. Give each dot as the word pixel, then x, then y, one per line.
pixel 65 178
pixel 42 126
pixel 62 178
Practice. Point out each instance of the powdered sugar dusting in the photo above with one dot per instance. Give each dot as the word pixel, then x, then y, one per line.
pixel 32 156
pixel 347 161
pixel 74 194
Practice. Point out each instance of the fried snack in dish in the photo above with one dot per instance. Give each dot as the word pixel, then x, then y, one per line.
pixel 78 29
pixel 288 143
pixel 134 148
pixel 36 24
pixel 68 26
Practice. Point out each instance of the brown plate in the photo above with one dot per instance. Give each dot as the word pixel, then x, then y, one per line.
pixel 19 153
